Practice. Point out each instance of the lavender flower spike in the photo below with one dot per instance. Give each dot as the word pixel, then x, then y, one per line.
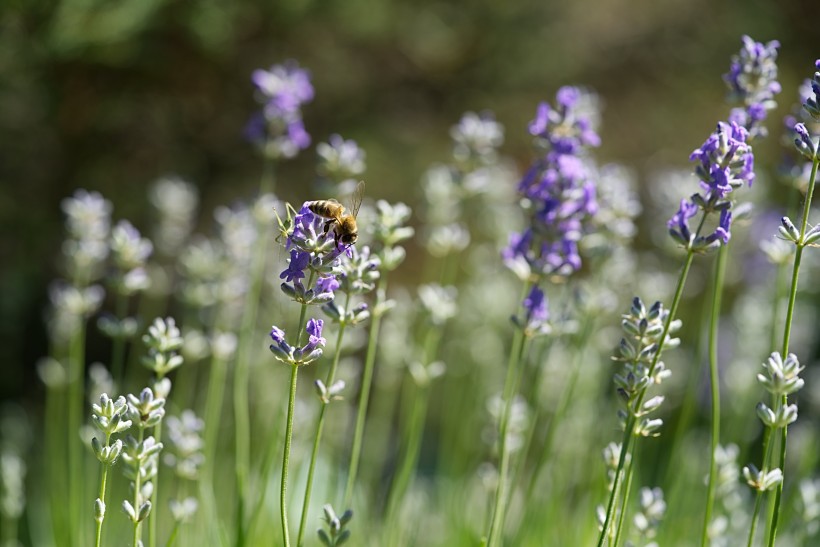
pixel 752 81
pixel 278 129
pixel 298 356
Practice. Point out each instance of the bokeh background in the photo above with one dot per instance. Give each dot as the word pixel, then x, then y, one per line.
pixel 109 96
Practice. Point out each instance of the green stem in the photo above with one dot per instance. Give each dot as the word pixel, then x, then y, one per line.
pixel 213 413
pixel 767 455
pixel 286 455
pixel 411 452
pixel 173 537
pixel 714 379
pixel 364 393
pixel 152 519
pixel 331 376
pixel 103 480
pixel 625 499
pixel 786 336
pixel 268 465
pixel 75 447
pixel 137 488
pixel 516 351
pixel 240 386
pixel 631 421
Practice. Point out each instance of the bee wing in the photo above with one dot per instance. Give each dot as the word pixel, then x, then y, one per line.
pixel 356 198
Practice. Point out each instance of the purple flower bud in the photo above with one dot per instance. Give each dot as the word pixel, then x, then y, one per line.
pixel 536 309
pixel 314 330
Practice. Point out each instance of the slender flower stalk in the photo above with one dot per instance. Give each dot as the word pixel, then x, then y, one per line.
pixel 389 230
pixel 752 82
pixel 439 304
pixel 328 392
pixel 356 275
pixel 714 382
pixel 109 418
pixel 516 351
pixel 782 373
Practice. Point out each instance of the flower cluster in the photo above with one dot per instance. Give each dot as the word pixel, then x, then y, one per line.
pixel 311 248
pixel 185 444
pixel 781 377
pixel 163 340
pixel 535 314
pixel 337 534
pixel 558 191
pixel 299 355
pixel 340 160
pixel 639 349
pixel 109 418
pixel 88 221
pixel 279 129
pixel 724 163
pixel 477 138
pixel 752 81
pixel 812 104
pixel 806 143
pixel 357 275
pixel 176 203
pixel 129 251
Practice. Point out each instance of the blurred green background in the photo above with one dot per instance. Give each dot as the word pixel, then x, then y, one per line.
pixel 110 95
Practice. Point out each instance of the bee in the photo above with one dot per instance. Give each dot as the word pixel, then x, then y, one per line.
pixel 345 229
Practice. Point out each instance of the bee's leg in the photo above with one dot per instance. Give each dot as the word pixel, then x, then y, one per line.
pixel 328 223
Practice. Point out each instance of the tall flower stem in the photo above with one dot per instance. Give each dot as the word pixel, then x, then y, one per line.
pixel 103 480
pixel 286 455
pixel 331 376
pixel 415 430
pixel 240 386
pixel 714 379
pixel 75 448
pixel 137 489
pixel 629 428
pixel 625 499
pixel 213 411
pixel 152 518
pixel 786 336
pixel 364 393
pixel 516 351
pixel 283 507
pixel 55 443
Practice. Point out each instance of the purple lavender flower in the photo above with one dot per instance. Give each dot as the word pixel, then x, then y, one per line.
pixel 284 88
pixel 327 284
pixel 298 356
pixel 559 190
pixel 565 128
pixel 725 163
pixel 752 81
pixel 812 104
pixel 536 311
pixel 311 248
pixel 278 128
pixel 314 330
pixel 296 267
pixel 679 223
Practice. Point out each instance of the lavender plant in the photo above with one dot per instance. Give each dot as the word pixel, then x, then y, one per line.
pixel 558 199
